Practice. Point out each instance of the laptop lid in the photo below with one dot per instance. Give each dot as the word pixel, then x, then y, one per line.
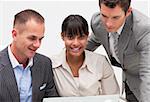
pixel 100 98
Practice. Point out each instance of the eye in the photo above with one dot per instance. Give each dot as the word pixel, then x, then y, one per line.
pixel 32 38
pixel 41 38
pixel 82 37
pixel 104 16
pixel 116 17
pixel 70 37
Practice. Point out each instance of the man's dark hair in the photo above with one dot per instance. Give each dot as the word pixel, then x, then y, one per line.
pixel 74 25
pixel 26 15
pixel 124 4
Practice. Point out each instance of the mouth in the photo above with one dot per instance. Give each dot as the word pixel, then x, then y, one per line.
pixel 33 50
pixel 109 29
pixel 76 50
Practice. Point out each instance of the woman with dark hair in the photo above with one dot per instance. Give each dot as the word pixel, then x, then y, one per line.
pixel 78 72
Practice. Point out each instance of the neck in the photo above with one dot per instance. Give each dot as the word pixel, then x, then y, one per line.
pixel 19 57
pixel 75 60
pixel 75 63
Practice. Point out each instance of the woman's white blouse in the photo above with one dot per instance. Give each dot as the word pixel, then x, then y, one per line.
pixel 96 76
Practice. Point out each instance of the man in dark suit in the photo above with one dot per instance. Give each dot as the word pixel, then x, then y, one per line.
pixel 131 50
pixel 26 76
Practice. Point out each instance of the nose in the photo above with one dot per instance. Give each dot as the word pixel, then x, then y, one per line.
pixel 109 23
pixel 37 43
pixel 75 41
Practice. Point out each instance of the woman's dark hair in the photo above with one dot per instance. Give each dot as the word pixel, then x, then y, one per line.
pixel 124 4
pixel 74 25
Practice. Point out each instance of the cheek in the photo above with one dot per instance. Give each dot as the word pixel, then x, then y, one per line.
pixel 118 24
pixel 121 21
pixel 84 43
pixel 25 43
pixel 67 43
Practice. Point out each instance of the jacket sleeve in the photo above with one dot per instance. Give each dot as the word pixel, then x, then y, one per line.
pixel 93 41
pixel 144 67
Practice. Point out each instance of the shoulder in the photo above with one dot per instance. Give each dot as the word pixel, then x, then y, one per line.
pixel 98 58
pixel 97 26
pixel 139 17
pixel 95 18
pixel 58 59
pixel 141 24
pixel 4 60
pixel 42 58
pixel 97 63
pixel 1 67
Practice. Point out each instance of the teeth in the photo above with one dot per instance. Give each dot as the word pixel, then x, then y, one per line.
pixel 75 49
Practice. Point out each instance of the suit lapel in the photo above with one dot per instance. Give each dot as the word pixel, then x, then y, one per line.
pixel 11 84
pixel 36 81
pixel 9 76
pixel 106 44
pixel 125 37
pixel 103 36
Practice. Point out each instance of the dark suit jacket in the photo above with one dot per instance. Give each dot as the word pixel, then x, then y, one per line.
pixel 134 50
pixel 42 75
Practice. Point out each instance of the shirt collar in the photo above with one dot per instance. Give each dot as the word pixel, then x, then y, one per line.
pixel 119 30
pixel 88 63
pixel 60 60
pixel 14 61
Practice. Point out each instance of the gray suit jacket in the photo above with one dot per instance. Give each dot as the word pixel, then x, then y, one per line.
pixel 41 75
pixel 134 50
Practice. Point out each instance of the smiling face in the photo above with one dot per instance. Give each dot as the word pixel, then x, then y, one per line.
pixel 75 34
pixel 27 39
pixel 75 45
pixel 113 18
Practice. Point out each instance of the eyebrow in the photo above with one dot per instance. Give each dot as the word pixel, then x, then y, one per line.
pixel 42 37
pixel 33 36
pixel 112 17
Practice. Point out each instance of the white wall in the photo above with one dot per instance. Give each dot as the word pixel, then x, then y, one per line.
pixel 54 12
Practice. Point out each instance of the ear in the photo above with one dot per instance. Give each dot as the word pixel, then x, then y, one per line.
pixel 88 34
pixel 129 11
pixel 62 36
pixel 14 33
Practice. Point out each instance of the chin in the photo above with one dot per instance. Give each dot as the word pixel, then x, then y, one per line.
pixel 77 54
pixel 108 30
pixel 31 55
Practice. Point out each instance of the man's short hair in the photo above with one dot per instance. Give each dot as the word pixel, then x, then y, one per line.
pixel 124 4
pixel 26 15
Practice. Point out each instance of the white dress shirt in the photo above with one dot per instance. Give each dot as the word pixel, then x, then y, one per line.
pixel 96 76
pixel 111 40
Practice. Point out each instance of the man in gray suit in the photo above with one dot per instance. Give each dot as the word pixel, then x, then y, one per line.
pixel 26 76
pixel 132 51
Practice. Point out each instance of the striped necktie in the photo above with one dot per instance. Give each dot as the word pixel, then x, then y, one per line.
pixel 113 44
pixel 115 36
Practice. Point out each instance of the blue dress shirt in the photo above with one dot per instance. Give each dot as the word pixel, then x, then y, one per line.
pixel 23 77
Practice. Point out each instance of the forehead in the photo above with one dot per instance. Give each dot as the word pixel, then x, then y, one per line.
pixel 34 26
pixel 30 26
pixel 117 11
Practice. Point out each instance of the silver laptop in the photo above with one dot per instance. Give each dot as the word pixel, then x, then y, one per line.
pixel 101 98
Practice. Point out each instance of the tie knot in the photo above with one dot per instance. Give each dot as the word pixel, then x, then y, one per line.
pixel 115 35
